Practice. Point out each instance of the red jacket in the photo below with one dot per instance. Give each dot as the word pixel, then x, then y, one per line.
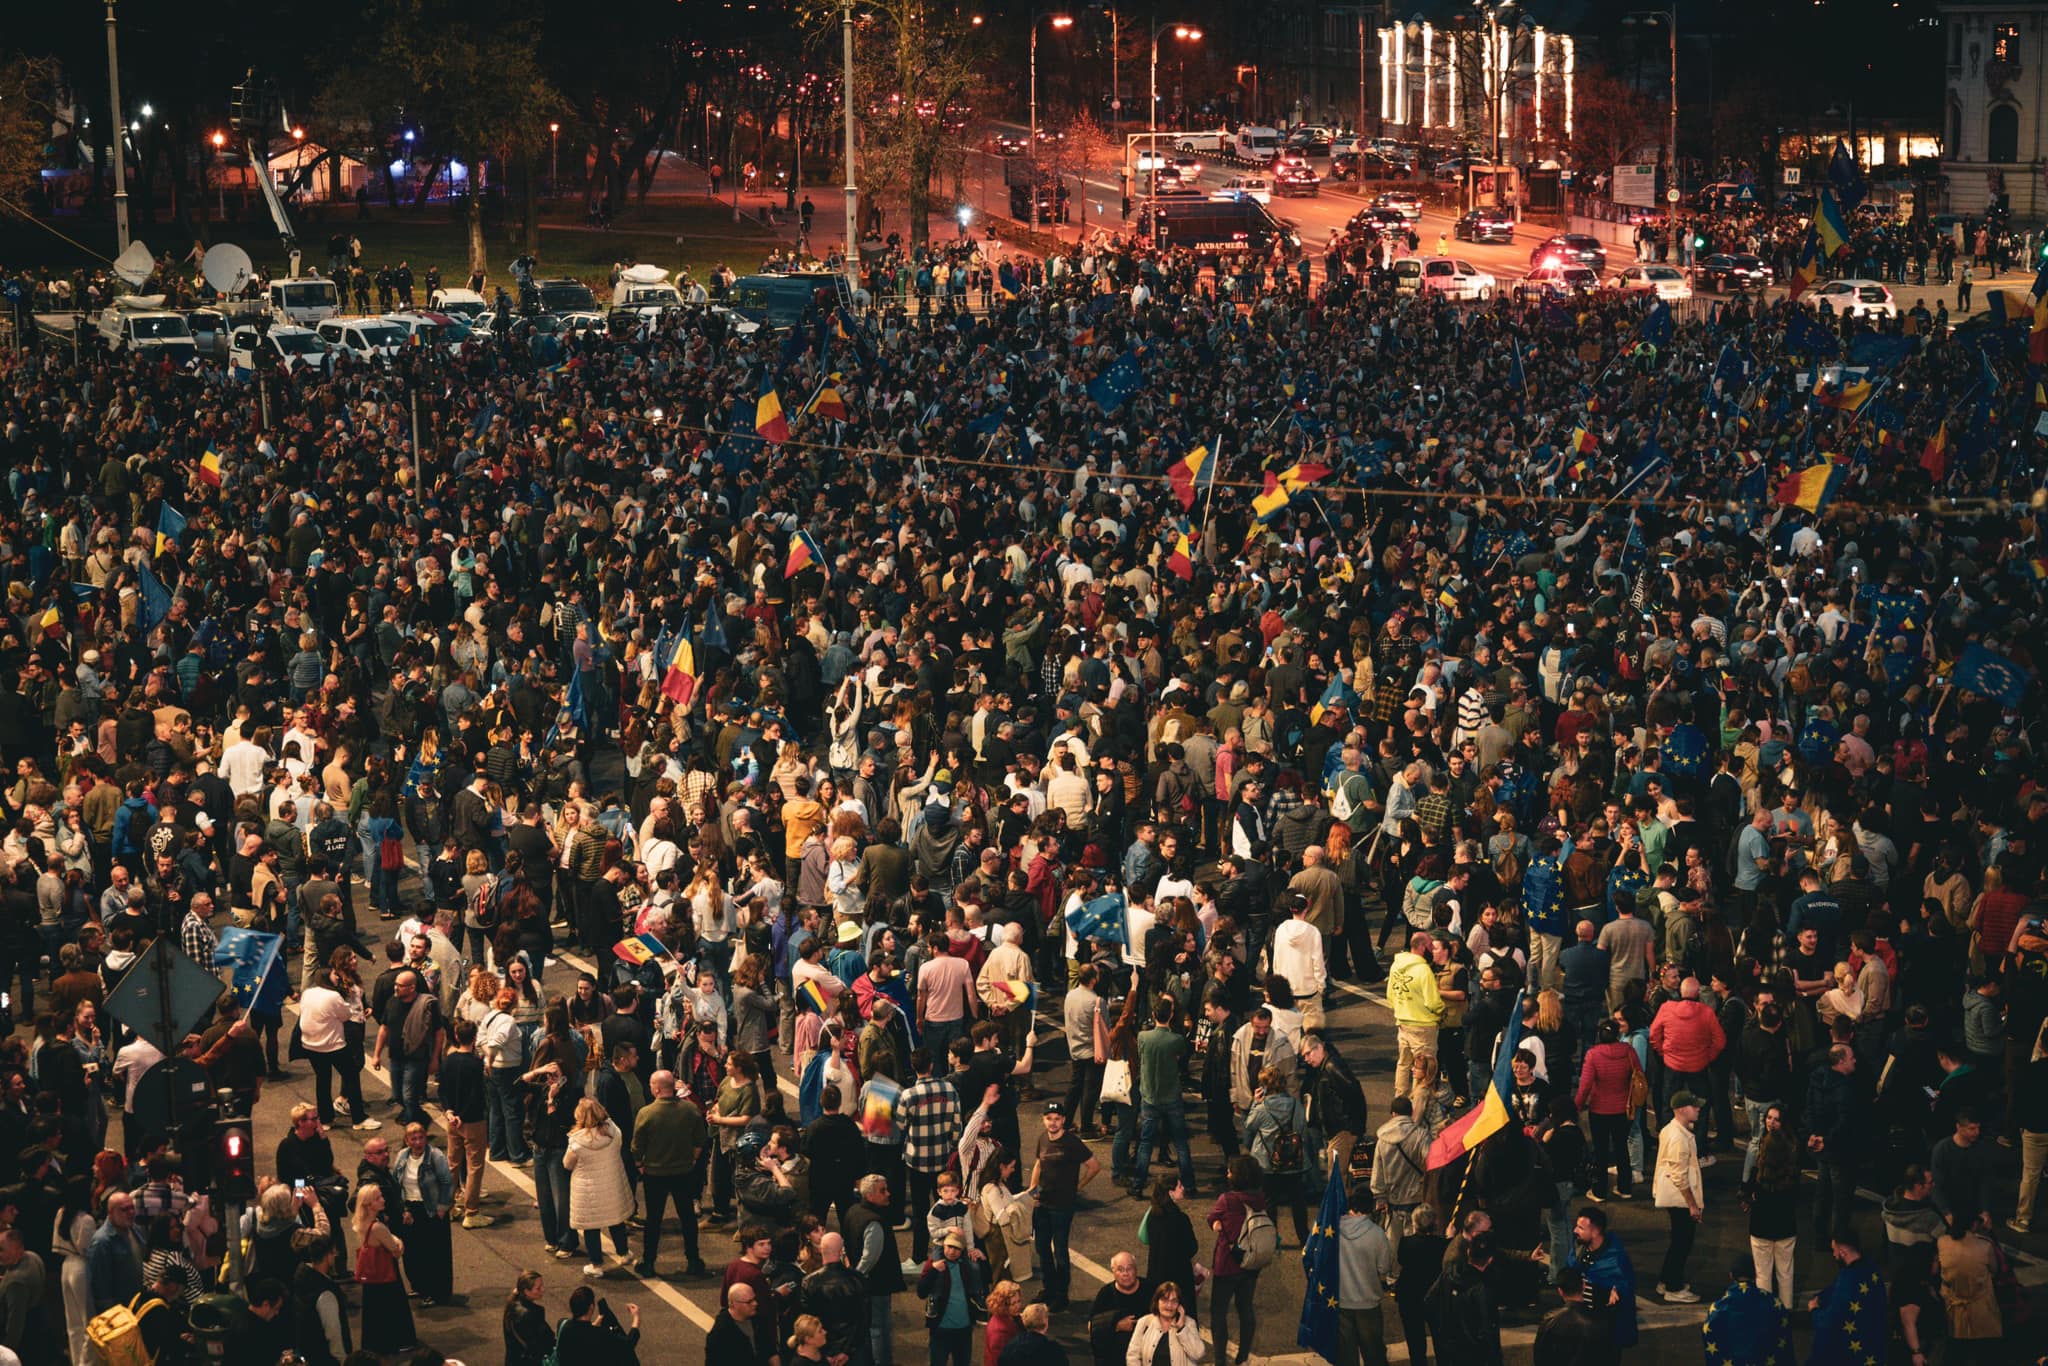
pixel 1687 1036
pixel 1603 1078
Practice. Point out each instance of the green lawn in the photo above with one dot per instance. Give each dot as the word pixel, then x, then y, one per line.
pixel 695 234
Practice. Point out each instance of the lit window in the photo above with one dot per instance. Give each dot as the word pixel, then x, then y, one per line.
pixel 2005 43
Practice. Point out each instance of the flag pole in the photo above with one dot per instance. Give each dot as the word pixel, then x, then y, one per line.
pixel 1209 502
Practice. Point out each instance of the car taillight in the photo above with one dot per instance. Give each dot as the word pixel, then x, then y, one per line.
pixel 1550 263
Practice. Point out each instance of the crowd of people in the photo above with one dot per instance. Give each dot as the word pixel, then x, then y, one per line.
pixel 1137 661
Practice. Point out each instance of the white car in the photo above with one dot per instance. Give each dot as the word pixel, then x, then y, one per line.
pixel 1245 187
pixel 465 304
pixel 363 338
pixel 1666 282
pixel 290 347
pixel 1202 140
pixel 1455 279
pixel 1853 298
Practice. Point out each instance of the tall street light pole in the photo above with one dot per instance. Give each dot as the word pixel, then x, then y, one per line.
pixel 1058 21
pixel 1185 33
pixel 1668 18
pixel 119 130
pixel 846 109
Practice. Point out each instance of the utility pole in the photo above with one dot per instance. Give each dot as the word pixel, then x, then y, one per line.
pixel 846 109
pixel 117 132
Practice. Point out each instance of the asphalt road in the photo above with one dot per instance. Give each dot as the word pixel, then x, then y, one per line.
pixel 677 1312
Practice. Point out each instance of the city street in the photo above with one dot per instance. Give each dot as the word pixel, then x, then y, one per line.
pixel 677 1312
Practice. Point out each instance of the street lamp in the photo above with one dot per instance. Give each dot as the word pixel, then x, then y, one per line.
pixel 554 159
pixel 1186 34
pixel 114 142
pixel 1058 21
pixel 1669 18
pixel 220 189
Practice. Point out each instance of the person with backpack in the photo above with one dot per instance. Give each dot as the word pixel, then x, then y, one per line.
pixel 1276 1133
pixel 1247 1241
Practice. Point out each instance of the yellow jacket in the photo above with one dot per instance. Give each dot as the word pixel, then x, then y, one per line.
pixel 1411 991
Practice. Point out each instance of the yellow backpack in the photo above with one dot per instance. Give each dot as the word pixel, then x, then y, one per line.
pixel 116 1333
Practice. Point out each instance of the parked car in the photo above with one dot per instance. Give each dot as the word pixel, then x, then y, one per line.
pixel 1455 279
pixel 1666 282
pixel 1296 180
pixel 1485 225
pixel 1557 282
pixel 1245 187
pixel 1379 220
pixel 1853 298
pixel 1011 144
pixel 1726 271
pixel 1368 166
pixel 1310 140
pixel 1570 248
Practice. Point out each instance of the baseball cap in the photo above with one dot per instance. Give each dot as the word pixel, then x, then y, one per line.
pixel 1056 1107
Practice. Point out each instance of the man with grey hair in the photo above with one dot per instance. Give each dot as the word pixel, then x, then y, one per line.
pixel 1117 1308
pixel 1005 986
pixel 873 1247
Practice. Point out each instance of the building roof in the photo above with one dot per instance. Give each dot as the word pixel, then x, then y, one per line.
pixel 1558 16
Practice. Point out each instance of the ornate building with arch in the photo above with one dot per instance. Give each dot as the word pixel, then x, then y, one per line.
pixel 1995 116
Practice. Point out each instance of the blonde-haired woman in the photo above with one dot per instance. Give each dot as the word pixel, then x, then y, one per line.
pixel 387 1317
pixel 807 1338
pixel 842 877
pixel 600 1198
pixel 712 915
pixel 1842 1001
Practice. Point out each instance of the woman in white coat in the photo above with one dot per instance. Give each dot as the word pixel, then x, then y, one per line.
pixel 73 1236
pixel 1170 1321
pixel 599 1196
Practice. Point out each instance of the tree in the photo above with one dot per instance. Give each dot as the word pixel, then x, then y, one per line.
pixel 1611 124
pixel 25 111
pixel 915 74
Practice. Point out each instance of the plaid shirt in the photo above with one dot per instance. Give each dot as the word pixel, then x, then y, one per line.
pixel 930 1115
pixel 198 940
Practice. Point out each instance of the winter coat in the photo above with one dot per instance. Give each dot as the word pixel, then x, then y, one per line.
pixel 1604 1076
pixel 1967 1265
pixel 1687 1035
pixel 1185 1349
pixel 599 1196
pixel 1278 1113
pixel 1279 1053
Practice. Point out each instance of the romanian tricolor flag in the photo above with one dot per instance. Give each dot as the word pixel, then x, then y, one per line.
pixel 1191 474
pixel 1583 440
pixel 812 995
pixel 769 423
pixel 679 679
pixel 50 620
pixel 1934 455
pixel 1490 1115
pixel 2037 338
pixel 828 402
pixel 1280 488
pixel 803 553
pixel 1843 396
pixel 640 949
pixel 1829 223
pixel 1181 559
pixel 209 470
pixel 1811 488
pixel 1806 269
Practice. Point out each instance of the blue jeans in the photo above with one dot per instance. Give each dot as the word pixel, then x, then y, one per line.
pixel 551 1185
pixel 881 1345
pixel 1560 1216
pixel 1123 1150
pixel 1052 1232
pixel 1755 1109
pixel 508 1136
pixel 1174 1116
pixel 409 1087
pixel 939 1035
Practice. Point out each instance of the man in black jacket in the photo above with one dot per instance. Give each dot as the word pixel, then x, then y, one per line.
pixel 1571 1335
pixel 1837 1127
pixel 591 1335
pixel 871 1246
pixel 1765 1068
pixel 1334 1100
pixel 840 1300
pixel 740 1335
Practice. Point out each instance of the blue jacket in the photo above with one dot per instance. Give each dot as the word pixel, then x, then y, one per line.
pixel 113 1261
pixel 1605 1270
pixel 1543 896
pixel 437 1183
pixel 122 840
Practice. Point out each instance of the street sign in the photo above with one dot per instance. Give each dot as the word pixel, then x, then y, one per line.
pixel 1636 185
pixel 137 1004
pixel 1792 174
pixel 1746 195
pixel 1672 194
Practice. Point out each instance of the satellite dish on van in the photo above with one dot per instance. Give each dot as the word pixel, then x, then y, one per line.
pixel 227 268
pixel 135 264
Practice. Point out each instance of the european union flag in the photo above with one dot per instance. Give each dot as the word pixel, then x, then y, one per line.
pixel 1518 376
pixel 1730 369
pixel 1656 327
pixel 1987 673
pixel 579 708
pixel 1319 1257
pixel 1846 176
pixel 714 630
pixel 1101 921
pixel 1114 386
pixel 1808 334
pixel 988 424
pixel 258 983
pixel 1747 1327
pixel 1649 460
pixel 156 599
pixel 1875 351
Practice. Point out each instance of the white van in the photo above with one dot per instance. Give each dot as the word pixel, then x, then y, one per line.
pixel 364 338
pixel 306 300
pixel 1256 142
pixel 289 347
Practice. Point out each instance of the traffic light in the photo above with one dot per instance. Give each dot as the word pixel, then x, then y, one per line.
pixel 234 1159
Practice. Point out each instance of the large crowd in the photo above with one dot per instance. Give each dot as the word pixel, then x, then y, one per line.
pixel 1062 714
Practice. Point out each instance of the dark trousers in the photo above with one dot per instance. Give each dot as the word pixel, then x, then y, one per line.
pixel 922 1187
pixel 1415 1328
pixel 1834 1189
pixel 660 1190
pixel 1684 1229
pixel 325 1067
pixel 1610 1147
pixel 1242 1293
pixel 1223 1124
pixel 1084 1089
pixel 1052 1231
pixel 886 1161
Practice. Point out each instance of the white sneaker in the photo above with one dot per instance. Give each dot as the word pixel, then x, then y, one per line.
pixel 367 1125
pixel 1678 1296
pixel 594 1271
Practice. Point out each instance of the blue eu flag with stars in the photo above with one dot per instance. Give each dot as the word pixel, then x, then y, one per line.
pixel 1114 386
pixel 1319 1256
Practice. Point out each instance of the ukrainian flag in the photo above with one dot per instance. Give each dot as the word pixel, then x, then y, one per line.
pixel 1490 1115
